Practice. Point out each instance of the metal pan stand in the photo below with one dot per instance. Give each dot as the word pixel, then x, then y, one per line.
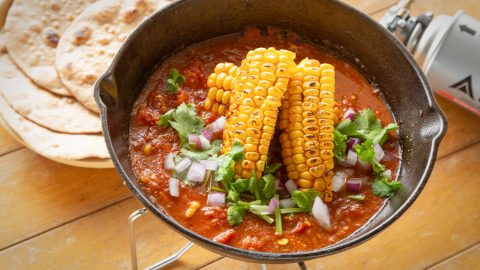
pixel 172 258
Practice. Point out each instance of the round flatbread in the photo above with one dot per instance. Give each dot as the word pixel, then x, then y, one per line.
pixel 52 144
pixel 62 114
pixel 88 46
pixel 33 30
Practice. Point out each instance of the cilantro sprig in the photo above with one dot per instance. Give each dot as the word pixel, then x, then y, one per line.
pixel 184 120
pixel 175 79
pixel 384 188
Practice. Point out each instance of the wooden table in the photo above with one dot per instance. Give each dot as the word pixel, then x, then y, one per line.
pixel 61 217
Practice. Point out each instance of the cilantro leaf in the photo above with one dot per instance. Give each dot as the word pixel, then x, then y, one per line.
pixel 225 171
pixel 272 167
pixel 366 153
pixel 235 214
pixel 215 147
pixel 269 188
pixel 184 120
pixel 232 195
pixel 380 136
pixel 305 199
pixel 340 145
pixel 241 185
pixel 367 121
pixel 237 151
pixel 253 187
pixel 384 188
pixel 348 128
pixel 174 80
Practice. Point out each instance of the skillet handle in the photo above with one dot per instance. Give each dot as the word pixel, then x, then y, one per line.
pixel 106 92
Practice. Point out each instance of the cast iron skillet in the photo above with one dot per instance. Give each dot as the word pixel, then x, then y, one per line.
pixel 334 25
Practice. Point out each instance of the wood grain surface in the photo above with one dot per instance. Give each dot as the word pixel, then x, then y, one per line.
pixel 58 217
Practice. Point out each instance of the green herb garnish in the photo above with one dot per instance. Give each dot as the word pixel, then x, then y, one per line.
pixel 384 188
pixel 175 79
pixel 215 147
pixel 184 120
pixel 272 167
pixel 366 153
pixel 357 197
pixel 305 199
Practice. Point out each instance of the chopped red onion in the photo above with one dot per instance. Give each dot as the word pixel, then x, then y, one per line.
pixel 169 162
pixel 216 198
pixel 351 142
pixel 174 186
pixel 218 124
pixel 352 158
pixel 204 143
pixel 278 185
pixel 287 203
pixel 290 185
pixel 354 185
pixel 196 173
pixel 194 140
pixel 208 134
pixel 379 153
pixel 182 165
pixel 320 212
pixel 349 114
pixel 274 203
pixel 388 174
pixel 338 181
pixel 209 164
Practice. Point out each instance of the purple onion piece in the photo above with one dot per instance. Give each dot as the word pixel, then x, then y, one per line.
pixel 209 164
pixel 196 173
pixel 174 187
pixel 208 134
pixel 216 198
pixel 204 143
pixel 287 203
pixel 218 125
pixel 169 162
pixel 379 153
pixel 352 158
pixel 291 186
pixel 351 142
pixel 194 140
pixel 349 114
pixel 182 165
pixel 274 203
pixel 320 212
pixel 354 185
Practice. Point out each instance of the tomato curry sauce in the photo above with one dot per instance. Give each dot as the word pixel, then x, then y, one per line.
pixel 150 143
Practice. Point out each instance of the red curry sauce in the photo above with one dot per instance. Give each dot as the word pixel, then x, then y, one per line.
pixel 149 144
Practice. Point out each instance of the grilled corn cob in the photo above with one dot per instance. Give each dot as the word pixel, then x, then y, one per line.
pixel 307 121
pixel 220 86
pixel 257 93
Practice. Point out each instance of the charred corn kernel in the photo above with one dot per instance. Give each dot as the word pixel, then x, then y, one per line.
pixel 307 126
pixel 260 165
pixel 305 183
pixel 283 241
pixel 192 209
pixel 220 86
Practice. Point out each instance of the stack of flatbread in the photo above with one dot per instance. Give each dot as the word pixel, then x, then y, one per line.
pixel 51 54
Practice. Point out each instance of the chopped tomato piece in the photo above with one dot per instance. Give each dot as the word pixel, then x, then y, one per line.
pixel 225 236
